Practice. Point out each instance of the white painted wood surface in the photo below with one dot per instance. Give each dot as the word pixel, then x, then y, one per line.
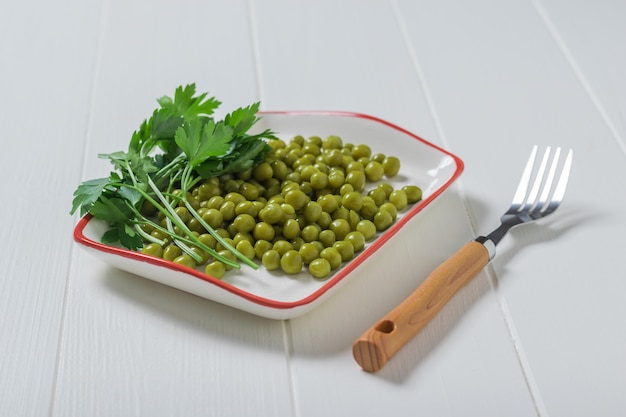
pixel 538 333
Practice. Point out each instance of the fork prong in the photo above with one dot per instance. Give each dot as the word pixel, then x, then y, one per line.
pixel 531 200
pixel 522 188
pixel 561 186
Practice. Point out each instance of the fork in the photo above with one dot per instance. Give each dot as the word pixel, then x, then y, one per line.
pixel 532 200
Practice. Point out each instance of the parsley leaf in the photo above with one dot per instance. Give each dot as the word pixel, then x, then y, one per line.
pixel 188 106
pixel 243 118
pixel 87 194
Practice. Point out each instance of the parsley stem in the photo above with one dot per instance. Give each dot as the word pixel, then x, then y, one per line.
pixel 171 215
pixel 181 225
pixel 148 236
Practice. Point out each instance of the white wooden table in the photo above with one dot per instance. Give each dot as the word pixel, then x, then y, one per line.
pixel 541 332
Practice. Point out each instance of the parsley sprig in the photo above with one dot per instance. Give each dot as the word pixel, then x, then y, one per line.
pixel 178 146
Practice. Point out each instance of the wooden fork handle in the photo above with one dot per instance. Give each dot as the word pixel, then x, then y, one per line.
pixel 383 340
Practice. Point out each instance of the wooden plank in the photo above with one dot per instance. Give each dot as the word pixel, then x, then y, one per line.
pixel 132 347
pixel 444 371
pixel 561 283
pixel 45 87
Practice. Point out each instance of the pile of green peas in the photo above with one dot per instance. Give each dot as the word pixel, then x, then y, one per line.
pixel 304 207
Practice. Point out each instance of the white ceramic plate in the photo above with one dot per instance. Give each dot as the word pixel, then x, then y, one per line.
pixel 275 295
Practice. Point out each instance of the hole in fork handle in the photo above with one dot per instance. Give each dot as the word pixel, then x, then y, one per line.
pixel 386 326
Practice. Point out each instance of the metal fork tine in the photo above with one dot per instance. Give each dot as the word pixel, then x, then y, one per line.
pixel 522 188
pixel 561 186
pixel 534 191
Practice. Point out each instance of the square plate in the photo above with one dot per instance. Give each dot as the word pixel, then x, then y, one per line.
pixel 276 295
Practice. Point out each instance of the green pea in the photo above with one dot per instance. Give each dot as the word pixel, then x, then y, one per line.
pixel 387 188
pixel 355 166
pixel 391 209
pixel 352 200
pixel 241 236
pixel 263 231
pixel 345 249
pixel 341 213
pixel 327 237
pixel 282 246
pixel 215 202
pixel 319 180
pixel 271 213
pixel 374 171
pixel 148 209
pixel 195 225
pixel 262 172
pixel 183 213
pixel 398 198
pixel 391 165
pixel 307 172
pixel 328 203
pixel 247 207
pixel 367 228
pixel 336 179
pixel 369 210
pixel 246 249
pixel 220 247
pixel 332 142
pixel 333 257
pixel 324 220
pixel 260 247
pixel 297 243
pixel 362 150
pixel 249 191
pixel 244 223
pixel 413 193
pixel 383 220
pixel 271 260
pixel 228 210
pixel 291 262
pixel 296 198
pixel 235 197
pixel 312 211
pixel 215 269
pixel 320 165
pixel 288 212
pixel 308 252
pixel 153 249
pixel 171 252
pixel 185 260
pixel 291 229
pixel 356 179
pixel 244 175
pixel 345 189
pixel 311 148
pixel 357 239
pixel 319 268
pixel 230 185
pixel 225 253
pixel 310 232
pixel 279 169
pixel 213 217
pixel 208 240
pixel 340 227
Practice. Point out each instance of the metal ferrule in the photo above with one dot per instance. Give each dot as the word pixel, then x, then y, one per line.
pixel 488 244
